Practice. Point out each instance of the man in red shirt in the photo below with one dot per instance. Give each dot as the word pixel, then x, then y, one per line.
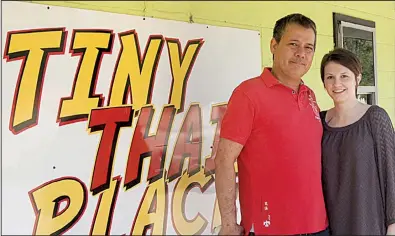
pixel 273 129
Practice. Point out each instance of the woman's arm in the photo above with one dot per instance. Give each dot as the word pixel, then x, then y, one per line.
pixel 384 138
pixel 391 229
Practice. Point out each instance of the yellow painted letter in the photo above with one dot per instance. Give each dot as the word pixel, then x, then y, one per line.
pixel 133 72
pixel 102 219
pixel 182 225
pixel 152 211
pixel 91 46
pixel 181 64
pixel 33 47
pixel 46 200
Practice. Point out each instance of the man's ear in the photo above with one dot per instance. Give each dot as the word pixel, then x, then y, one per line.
pixel 273 45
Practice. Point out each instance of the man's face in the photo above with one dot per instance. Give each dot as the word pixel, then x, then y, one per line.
pixel 294 53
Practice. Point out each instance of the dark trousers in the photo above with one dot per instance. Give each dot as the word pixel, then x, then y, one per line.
pixel 321 233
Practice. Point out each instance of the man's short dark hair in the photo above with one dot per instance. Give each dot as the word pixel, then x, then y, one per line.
pixel 295 18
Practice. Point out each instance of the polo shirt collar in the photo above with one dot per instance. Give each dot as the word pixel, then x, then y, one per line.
pixel 269 79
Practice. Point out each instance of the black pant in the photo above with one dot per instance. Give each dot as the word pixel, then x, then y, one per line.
pixel 321 233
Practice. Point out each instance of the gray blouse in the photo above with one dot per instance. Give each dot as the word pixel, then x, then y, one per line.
pixel 358 174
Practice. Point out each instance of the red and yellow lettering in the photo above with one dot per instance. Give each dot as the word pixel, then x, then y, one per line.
pixel 46 200
pixel 181 64
pixel 145 145
pixel 152 211
pixel 132 72
pixel 182 225
pixel 217 113
pixel 102 220
pixel 188 144
pixel 108 120
pixel 90 45
pixel 33 47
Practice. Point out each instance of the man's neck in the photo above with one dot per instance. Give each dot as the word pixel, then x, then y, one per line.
pixel 285 80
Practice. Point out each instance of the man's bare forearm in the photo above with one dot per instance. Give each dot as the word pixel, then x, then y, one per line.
pixel 225 182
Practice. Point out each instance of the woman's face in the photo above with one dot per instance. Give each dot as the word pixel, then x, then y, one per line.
pixel 340 82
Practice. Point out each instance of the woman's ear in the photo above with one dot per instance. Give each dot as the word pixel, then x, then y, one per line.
pixel 359 78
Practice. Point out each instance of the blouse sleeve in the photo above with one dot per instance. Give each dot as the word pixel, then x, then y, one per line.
pixel 383 134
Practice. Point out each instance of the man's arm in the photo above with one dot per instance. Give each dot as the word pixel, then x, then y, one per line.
pixel 225 184
pixel 236 128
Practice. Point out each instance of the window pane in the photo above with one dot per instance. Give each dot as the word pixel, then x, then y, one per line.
pixel 361 43
pixel 357 33
pixel 366 98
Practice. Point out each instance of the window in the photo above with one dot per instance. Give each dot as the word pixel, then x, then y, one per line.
pixel 359 36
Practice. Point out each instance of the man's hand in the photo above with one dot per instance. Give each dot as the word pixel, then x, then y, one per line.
pixel 225 185
pixel 231 230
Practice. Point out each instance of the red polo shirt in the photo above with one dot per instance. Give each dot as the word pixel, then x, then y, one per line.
pixel 279 166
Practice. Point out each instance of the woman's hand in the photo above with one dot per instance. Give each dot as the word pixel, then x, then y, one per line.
pixel 391 229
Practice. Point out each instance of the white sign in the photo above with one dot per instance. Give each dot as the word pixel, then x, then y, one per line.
pixel 110 122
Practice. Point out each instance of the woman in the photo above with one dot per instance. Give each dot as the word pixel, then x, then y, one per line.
pixel 358 154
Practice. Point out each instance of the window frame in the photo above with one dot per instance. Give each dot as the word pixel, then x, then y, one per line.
pixel 340 21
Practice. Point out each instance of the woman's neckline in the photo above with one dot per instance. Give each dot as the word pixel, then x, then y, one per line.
pixel 349 126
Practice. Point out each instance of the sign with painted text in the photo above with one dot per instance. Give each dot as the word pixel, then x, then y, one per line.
pixel 110 122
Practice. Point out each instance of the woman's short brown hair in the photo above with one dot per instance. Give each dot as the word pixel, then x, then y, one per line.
pixel 343 57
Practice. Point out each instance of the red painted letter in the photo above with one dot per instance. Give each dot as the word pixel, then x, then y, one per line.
pixel 189 144
pixel 109 120
pixel 217 113
pixel 145 145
